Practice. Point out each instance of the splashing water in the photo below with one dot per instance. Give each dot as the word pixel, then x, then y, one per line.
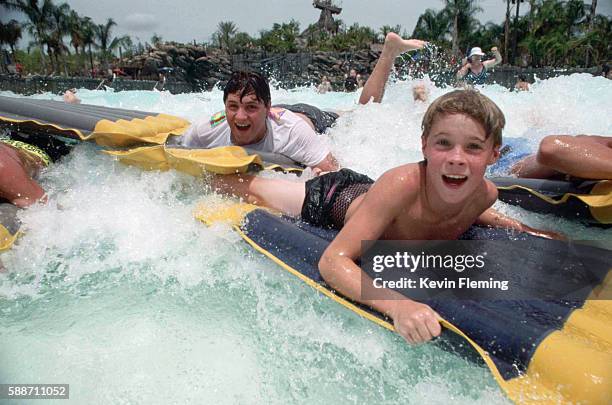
pixel 115 288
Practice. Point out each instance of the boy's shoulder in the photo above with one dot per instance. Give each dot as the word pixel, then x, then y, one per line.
pixel 404 181
pixel 490 195
pixel 407 174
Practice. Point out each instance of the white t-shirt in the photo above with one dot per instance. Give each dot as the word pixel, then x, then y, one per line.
pixel 287 134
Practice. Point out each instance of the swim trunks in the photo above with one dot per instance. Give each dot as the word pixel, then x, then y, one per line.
pixel 329 196
pixel 321 119
pixel 31 150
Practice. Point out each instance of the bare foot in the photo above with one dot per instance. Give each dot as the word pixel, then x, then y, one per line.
pixel 395 45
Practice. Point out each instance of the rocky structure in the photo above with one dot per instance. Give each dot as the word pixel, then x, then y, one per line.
pixel 204 68
pixel 326 19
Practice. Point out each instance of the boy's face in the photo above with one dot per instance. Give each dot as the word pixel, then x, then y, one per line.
pixel 457 152
pixel 246 118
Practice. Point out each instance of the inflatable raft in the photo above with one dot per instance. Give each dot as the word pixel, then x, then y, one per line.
pixel 587 201
pixel 540 352
pixel 9 225
pixel 146 139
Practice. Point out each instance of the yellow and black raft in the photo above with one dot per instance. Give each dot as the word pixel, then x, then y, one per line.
pixel 147 139
pixel 586 201
pixel 539 351
pixel 9 225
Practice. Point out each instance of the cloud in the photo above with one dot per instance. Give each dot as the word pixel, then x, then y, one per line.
pixel 141 22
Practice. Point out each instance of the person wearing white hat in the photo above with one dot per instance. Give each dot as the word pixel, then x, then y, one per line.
pixel 474 71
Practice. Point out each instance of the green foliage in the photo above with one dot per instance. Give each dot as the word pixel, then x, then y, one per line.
pixel 10 33
pixel 553 32
pixel 434 26
pixel 560 36
pixel 281 38
pixel 224 36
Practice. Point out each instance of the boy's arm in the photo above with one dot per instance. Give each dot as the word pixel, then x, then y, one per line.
pixel 416 322
pixel 491 63
pixel 496 219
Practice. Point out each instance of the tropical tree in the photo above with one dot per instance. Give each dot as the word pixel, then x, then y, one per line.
pixel 75 31
pixel 281 38
pixel 156 39
pixel 224 36
pixel 89 39
pixel 58 27
pixel 463 22
pixel 39 17
pixel 590 23
pixel 120 43
pixel 103 35
pixel 10 34
pixel 243 42
pixel 432 26
pixel 385 29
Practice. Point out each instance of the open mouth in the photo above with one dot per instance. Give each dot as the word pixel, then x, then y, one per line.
pixel 454 180
pixel 243 127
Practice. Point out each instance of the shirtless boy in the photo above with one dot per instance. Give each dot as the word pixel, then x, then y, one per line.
pixel 439 198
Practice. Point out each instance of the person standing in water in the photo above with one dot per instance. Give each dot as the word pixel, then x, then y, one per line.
pixel 474 71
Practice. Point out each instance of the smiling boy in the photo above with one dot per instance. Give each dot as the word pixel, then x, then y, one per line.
pixel 249 120
pixel 438 199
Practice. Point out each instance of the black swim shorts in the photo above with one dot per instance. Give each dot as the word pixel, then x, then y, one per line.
pixel 321 119
pixel 329 196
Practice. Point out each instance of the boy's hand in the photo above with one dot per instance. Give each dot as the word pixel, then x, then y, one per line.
pixel 416 322
pixel 544 234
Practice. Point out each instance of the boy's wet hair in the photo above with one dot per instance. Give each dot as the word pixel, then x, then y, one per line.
pixel 471 103
pixel 248 83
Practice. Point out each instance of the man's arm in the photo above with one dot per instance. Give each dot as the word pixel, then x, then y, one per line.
pixel 307 147
pixel 494 62
pixel 496 219
pixel 416 322
pixel 329 164
pixel 15 184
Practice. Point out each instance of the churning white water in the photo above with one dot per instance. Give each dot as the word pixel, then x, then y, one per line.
pixel 118 291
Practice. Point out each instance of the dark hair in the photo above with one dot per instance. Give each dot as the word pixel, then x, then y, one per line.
pixel 247 83
pixel 522 78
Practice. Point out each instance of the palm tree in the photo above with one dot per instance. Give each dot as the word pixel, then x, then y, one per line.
pixel 462 13
pixel 156 39
pixel 590 23
pixel 121 42
pixel 385 29
pixel 226 30
pixel 39 16
pixel 432 26
pixel 103 34
pixel 59 26
pixel 507 31
pixel 10 34
pixel 75 31
pixel 89 35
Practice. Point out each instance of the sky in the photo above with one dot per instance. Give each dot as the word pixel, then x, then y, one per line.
pixel 188 20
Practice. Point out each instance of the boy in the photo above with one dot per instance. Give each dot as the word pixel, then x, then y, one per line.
pixel 439 198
